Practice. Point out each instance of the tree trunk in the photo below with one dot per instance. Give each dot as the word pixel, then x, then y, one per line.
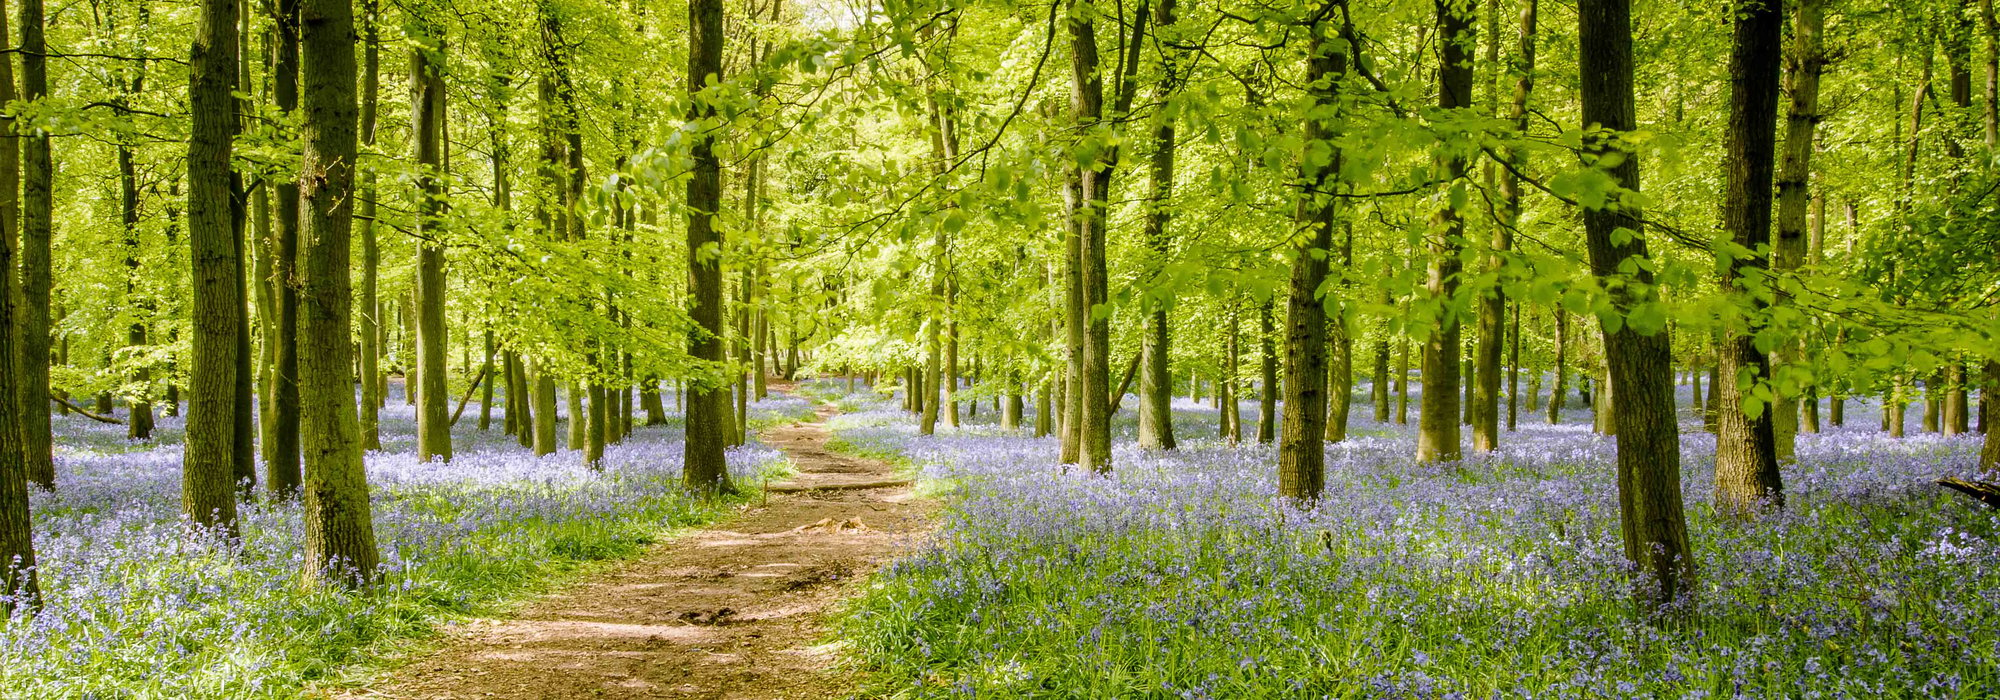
pixel 543 415
pixel 340 537
pixel 427 120
pixel 708 409
pixel 208 474
pixel 1156 418
pixel 1071 423
pixel 1094 385
pixel 17 544
pixel 1301 446
pixel 1402 381
pixel 139 419
pixel 1232 373
pixel 32 330
pixel 1641 364
pixel 486 389
pixel 1803 62
pixel 1989 453
pixel 1556 383
pixel 1746 453
pixel 1493 307
pixel 370 314
pixel 1514 371
pixel 1438 418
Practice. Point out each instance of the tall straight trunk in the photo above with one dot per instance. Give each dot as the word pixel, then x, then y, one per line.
pixel 1044 405
pixel 1301 444
pixel 427 115
pixel 1695 380
pixel 1379 388
pixel 544 411
pixel 139 420
pixel 371 254
pixel 486 386
pixel 1653 521
pixel 17 531
pixel 243 424
pixel 1071 423
pixel 1267 371
pixel 1989 412
pixel 208 474
pixel 1714 404
pixel 933 354
pixel 1989 407
pixel 1809 408
pixel 1339 381
pixel 1156 418
pixel 1094 379
pixel 1514 370
pixel 1493 306
pixel 1803 61
pixel 950 378
pixel 650 401
pixel 32 328
pixel 579 417
pixel 1556 386
pixel 1438 426
pixel 597 424
pixel 741 345
pixel 1232 373
pixel 510 407
pixel 1010 413
pixel 708 408
pixel 281 453
pixel 1746 452
pixel 340 537
pixel 1402 381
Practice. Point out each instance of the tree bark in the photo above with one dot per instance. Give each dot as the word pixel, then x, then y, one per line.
pixel 1493 306
pixel 1556 386
pixel 1746 454
pixel 32 330
pixel 1438 418
pixel 208 473
pixel 427 106
pixel 371 254
pixel 1803 61
pixel 1094 385
pixel 1069 396
pixel 340 537
pixel 1156 418
pixel 708 419
pixel 1654 524
pixel 17 544
pixel 1301 444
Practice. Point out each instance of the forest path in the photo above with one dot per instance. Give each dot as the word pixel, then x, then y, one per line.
pixel 736 610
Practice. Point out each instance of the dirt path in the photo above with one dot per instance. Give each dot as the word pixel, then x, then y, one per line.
pixel 731 611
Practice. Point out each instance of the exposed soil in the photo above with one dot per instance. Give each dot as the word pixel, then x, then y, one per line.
pixel 736 610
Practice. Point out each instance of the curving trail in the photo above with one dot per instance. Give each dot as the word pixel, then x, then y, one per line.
pixel 734 610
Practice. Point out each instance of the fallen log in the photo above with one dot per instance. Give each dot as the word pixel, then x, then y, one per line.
pixel 1988 494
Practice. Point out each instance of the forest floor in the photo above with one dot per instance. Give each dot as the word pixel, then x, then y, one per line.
pixel 736 610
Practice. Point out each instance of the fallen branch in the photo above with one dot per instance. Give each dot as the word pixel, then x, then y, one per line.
pixel 1988 494
pixel 86 414
pixel 462 401
pixel 1131 371
pixel 848 486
